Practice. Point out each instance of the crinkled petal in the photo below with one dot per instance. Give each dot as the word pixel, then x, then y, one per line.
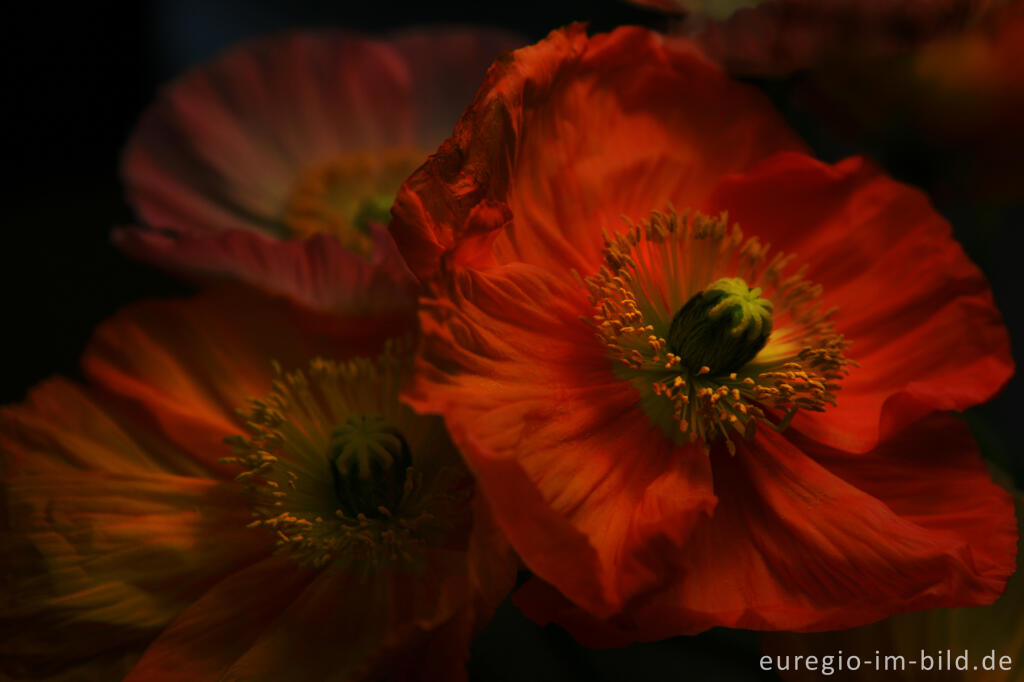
pixel 573 133
pixel 976 631
pixel 919 314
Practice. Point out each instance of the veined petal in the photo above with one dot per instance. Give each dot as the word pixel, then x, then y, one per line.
pixel 974 632
pixel 275 621
pixel 224 145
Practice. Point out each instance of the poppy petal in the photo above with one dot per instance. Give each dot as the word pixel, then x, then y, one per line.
pixel 339 624
pixel 223 623
pixel 222 146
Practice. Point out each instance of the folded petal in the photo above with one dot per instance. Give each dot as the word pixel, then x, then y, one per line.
pixel 223 623
pixel 901 640
pixel 822 539
pixel 275 621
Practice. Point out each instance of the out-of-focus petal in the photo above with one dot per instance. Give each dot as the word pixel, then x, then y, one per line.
pixel 224 146
pixel 275 621
pixel 182 368
pixel 778 37
pixel 103 543
pixel 317 272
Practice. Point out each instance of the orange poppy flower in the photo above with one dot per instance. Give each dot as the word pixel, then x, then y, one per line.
pixel 277 163
pixel 336 535
pixel 677 425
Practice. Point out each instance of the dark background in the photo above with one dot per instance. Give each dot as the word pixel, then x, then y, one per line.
pixel 77 77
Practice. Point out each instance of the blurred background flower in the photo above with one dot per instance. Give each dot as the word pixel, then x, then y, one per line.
pixel 764 37
pixel 278 161
pixel 263 521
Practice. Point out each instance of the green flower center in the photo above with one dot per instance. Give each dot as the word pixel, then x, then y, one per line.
pixel 369 460
pixel 722 327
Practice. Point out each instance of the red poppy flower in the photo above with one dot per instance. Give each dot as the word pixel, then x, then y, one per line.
pixel 677 425
pixel 336 538
pixel 277 163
